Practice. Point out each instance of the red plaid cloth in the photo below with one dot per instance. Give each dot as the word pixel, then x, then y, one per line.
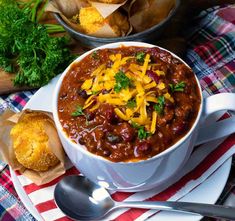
pixel 211 50
pixel 211 54
pixel 5 181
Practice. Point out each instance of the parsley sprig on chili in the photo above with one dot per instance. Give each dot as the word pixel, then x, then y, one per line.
pixel 95 55
pixel 142 133
pixel 159 106
pixel 122 81
pixel 140 57
pixel 177 87
pixel 131 103
pixel 78 111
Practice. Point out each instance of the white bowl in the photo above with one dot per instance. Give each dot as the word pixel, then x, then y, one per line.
pixel 141 175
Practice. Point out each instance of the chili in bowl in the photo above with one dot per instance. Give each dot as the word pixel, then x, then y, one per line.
pixel 128 103
pixel 127 114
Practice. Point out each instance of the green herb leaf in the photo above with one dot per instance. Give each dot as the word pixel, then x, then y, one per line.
pixel 140 57
pixel 94 92
pixel 78 111
pixel 142 133
pixel 172 87
pixel 122 81
pixel 178 87
pixel 135 125
pixel 131 103
pixel 95 55
pixel 26 47
pixel 159 106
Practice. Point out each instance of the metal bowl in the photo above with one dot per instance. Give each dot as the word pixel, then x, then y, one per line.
pixel 149 35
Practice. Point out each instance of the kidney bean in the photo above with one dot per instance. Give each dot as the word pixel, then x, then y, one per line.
pixel 154 53
pixel 143 148
pixel 107 111
pixel 81 141
pixel 109 114
pixel 90 115
pixel 112 138
pixel 83 94
pixel 153 75
pixel 126 131
pixel 116 119
pixel 169 104
pixel 106 152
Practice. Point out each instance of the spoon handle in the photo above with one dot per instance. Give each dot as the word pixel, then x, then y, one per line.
pixel 215 211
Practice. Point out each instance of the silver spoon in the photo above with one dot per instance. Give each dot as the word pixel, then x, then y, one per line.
pixel 81 199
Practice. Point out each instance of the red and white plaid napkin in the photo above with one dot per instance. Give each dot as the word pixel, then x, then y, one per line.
pixel 205 160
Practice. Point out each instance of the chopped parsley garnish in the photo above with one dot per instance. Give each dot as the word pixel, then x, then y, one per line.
pixel 122 81
pixel 94 92
pixel 177 87
pixel 135 125
pixel 131 103
pixel 78 111
pixel 159 106
pixel 142 133
pixel 95 55
pixel 140 57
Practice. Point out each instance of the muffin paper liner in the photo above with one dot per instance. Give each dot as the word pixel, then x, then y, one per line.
pixel 7 121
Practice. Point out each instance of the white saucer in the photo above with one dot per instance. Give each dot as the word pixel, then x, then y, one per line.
pixel 207 192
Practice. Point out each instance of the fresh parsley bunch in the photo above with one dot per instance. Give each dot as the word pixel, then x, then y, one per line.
pixel 26 47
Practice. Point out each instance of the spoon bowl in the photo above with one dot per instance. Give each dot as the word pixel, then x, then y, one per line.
pixel 81 199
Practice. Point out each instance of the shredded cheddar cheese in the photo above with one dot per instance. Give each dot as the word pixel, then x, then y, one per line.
pixel 87 84
pixel 154 121
pixel 161 86
pixel 169 97
pixel 150 85
pixel 120 114
pixel 159 73
pixel 146 62
pixel 136 87
pixel 89 101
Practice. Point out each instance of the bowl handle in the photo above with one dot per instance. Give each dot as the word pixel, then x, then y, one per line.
pixel 218 102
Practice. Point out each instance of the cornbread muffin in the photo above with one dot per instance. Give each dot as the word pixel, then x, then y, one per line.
pixel 91 21
pixel 30 142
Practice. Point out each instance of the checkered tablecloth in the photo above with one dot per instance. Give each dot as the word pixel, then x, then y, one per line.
pixel 211 54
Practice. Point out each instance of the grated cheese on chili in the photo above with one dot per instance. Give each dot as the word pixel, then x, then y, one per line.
pixel 140 88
